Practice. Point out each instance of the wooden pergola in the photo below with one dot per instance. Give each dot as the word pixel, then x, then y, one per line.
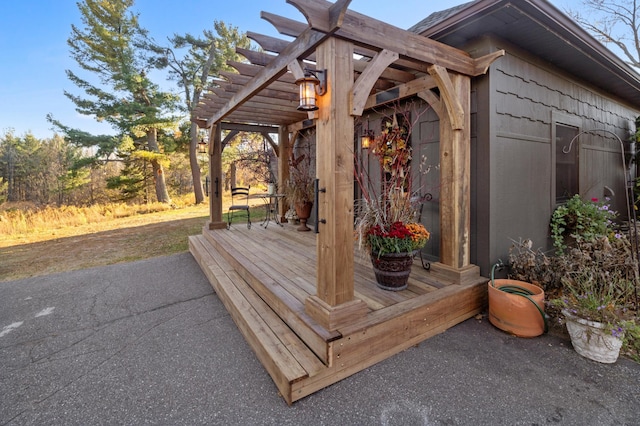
pixel 368 63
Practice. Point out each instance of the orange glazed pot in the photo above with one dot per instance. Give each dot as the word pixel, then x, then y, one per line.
pixel 514 313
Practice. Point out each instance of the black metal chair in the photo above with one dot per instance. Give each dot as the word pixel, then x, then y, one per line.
pixel 239 202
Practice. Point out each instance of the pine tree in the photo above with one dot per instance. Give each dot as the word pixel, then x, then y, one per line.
pixel 111 48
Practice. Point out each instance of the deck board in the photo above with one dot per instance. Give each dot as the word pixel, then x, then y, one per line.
pixel 274 271
pixel 301 258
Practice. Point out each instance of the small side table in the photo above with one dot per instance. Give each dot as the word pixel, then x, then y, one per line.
pixel 270 201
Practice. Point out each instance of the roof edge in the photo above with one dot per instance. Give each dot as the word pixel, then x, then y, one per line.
pixel 549 12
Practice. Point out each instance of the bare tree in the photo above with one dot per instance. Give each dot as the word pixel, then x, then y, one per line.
pixel 613 22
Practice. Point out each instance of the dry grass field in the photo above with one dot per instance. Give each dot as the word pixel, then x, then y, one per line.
pixel 63 247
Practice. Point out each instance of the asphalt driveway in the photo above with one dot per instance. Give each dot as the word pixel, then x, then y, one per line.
pixel 149 343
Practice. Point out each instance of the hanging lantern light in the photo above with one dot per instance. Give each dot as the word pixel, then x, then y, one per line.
pixel 367 137
pixel 313 83
pixel 202 146
pixel 365 140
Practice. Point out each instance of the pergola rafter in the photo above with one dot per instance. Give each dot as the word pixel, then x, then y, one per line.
pixel 307 42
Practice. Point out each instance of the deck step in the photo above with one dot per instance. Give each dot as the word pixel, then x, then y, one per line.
pixel 286 358
pixel 270 285
pixel 255 273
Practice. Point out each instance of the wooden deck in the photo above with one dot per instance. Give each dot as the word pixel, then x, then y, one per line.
pixel 263 277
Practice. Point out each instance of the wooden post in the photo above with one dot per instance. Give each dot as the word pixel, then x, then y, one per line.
pixel 455 195
pixel 215 175
pixel 334 302
pixel 284 152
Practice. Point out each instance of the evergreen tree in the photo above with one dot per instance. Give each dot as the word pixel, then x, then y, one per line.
pixel 10 169
pixel 111 48
pixel 39 171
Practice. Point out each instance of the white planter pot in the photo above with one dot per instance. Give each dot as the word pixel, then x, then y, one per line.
pixel 591 340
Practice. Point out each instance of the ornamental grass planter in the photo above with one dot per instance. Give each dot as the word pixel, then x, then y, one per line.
pixel 392 270
pixel 592 340
pixel 515 313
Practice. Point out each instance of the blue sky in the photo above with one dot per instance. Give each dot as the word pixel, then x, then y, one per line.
pixel 34 53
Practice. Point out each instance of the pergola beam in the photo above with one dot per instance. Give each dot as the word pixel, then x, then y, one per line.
pixel 275 97
pixel 375 34
pixel 268 77
pixel 284 95
pixel 401 91
pixel 250 70
pixel 255 57
pixel 326 19
pixel 292 28
pixel 278 103
pixel 276 84
pixel 256 128
pixel 359 65
pixel 275 45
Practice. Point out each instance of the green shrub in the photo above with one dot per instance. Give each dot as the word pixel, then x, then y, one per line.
pixel 581 220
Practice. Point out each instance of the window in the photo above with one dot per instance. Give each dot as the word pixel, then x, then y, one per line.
pixel 567 161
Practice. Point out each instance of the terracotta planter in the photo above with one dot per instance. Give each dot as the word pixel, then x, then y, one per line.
pixel 516 314
pixel 392 270
pixel 303 210
pixel 591 340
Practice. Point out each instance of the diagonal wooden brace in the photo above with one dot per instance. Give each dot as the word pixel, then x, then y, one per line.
pixel 362 87
pixel 449 96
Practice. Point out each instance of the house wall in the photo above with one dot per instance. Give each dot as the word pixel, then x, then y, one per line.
pixel 514 110
pixel 520 100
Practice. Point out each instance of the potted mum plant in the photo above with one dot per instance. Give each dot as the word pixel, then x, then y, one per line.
pixel 386 225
